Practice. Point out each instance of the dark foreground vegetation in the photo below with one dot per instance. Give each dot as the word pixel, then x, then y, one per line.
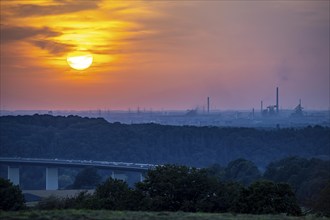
pixel 309 179
pixel 73 137
pixel 11 197
pixel 177 188
pixel 74 214
pixel 180 188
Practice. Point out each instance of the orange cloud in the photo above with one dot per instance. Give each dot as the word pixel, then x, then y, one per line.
pixel 56 7
pixel 18 33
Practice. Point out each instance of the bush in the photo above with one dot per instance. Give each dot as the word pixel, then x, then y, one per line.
pixel 11 196
pixel 50 203
pixel 81 201
pixel 114 194
pixel 266 197
pixel 88 178
pixel 322 205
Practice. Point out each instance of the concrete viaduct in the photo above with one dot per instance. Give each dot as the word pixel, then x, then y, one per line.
pixel 52 166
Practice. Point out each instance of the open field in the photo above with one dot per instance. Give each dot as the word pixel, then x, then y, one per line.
pixel 126 215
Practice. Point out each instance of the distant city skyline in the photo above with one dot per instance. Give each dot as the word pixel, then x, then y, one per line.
pixel 168 55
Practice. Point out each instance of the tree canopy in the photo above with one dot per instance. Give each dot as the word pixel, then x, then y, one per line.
pixel 306 176
pixel 11 196
pixel 87 178
pixel 182 188
pixel 74 137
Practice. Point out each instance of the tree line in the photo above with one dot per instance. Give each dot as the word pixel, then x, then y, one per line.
pixel 74 137
pixel 178 188
pixel 309 179
pixel 182 188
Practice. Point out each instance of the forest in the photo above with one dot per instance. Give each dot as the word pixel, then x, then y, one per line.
pixel 238 159
pixel 74 137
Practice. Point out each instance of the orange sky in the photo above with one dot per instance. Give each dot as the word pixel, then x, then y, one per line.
pixel 164 54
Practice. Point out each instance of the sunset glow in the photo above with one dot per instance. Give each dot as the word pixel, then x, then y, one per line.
pixel 80 62
pixel 163 54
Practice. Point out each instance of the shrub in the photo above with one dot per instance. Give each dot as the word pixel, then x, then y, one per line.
pixel 11 196
pixel 266 197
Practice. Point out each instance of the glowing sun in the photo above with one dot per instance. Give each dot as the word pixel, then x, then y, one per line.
pixel 79 60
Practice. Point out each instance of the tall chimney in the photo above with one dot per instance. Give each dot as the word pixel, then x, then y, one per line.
pixel 261 106
pixel 208 104
pixel 277 107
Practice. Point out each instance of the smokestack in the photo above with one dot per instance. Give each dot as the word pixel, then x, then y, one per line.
pixel 261 106
pixel 277 107
pixel 208 104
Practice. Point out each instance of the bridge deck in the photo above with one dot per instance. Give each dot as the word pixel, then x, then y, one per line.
pixel 137 167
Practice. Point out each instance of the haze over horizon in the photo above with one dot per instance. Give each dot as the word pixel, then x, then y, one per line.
pixel 164 54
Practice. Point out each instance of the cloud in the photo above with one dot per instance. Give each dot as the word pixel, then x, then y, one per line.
pixel 53 47
pixel 30 34
pixel 16 33
pixel 61 7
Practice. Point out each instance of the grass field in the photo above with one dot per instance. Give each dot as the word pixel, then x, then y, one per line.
pixel 125 215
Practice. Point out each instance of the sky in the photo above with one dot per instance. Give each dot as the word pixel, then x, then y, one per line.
pixel 164 54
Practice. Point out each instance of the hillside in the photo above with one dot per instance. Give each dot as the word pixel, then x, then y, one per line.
pixel 74 137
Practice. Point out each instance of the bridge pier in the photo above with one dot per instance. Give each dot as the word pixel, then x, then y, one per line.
pixel 118 175
pixel 141 177
pixel 13 175
pixel 51 178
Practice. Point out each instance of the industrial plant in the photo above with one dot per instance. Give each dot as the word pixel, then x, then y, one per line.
pixel 270 116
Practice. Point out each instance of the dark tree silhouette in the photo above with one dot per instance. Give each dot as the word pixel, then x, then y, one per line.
pixel 266 197
pixel 115 194
pixel 88 178
pixel 322 204
pixel 242 171
pixel 11 196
